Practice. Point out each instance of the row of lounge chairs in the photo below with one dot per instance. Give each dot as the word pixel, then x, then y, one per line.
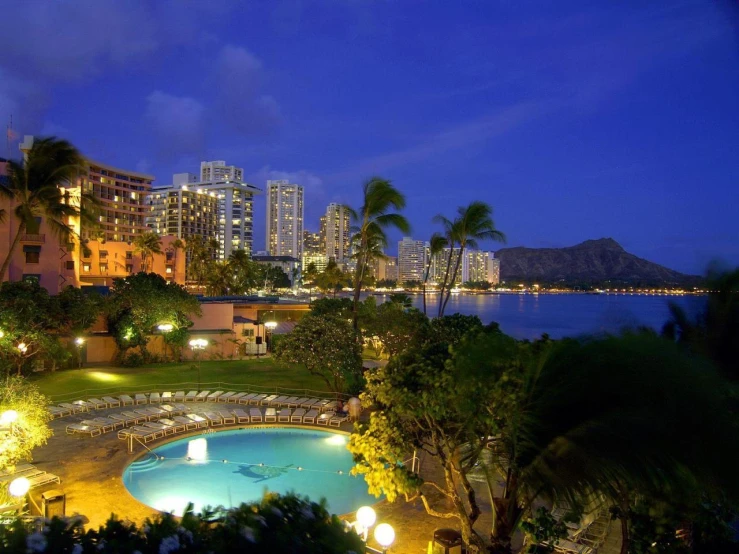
pixel 225 397
pixel 35 476
pixel 150 422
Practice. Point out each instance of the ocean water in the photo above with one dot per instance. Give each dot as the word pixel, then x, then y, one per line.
pixel 528 316
pixel 309 462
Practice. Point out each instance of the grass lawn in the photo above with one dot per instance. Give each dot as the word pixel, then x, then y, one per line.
pixel 261 373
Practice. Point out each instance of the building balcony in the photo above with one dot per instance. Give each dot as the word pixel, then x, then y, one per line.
pixel 36 239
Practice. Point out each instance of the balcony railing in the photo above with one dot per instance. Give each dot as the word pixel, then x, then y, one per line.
pixel 41 239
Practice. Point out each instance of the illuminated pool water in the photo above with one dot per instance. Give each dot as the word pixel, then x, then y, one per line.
pixel 311 463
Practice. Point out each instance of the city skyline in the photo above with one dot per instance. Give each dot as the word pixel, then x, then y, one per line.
pixel 575 122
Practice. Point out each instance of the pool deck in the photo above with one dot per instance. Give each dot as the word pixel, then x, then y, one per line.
pixel 90 469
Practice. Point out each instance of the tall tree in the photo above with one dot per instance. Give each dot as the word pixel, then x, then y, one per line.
pixel 436 247
pixel 309 278
pixel 474 223
pixel 374 217
pixel 36 187
pixel 147 244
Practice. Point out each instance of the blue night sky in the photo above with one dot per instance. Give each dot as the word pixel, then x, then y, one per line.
pixel 575 120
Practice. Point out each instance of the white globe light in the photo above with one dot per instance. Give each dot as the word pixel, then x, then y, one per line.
pixel 366 517
pixel 384 534
pixel 270 324
pixel 19 487
pixel 8 417
pixel 80 341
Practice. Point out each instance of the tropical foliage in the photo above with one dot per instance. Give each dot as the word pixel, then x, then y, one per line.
pixel 285 524
pixel 30 428
pixel 377 214
pixel 36 188
pixel 327 346
pixel 147 245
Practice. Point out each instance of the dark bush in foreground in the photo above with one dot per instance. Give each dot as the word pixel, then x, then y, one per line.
pixel 285 524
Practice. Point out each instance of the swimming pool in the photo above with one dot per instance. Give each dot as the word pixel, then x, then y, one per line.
pixel 311 463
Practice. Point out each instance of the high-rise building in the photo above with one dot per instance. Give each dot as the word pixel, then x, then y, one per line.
pixel 385 268
pixel 335 233
pixel 312 243
pixel 493 270
pixel 284 219
pixel 439 263
pixel 411 259
pixel 220 210
pixel 475 266
pixel 219 171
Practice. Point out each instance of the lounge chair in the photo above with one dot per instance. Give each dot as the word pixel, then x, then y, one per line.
pixel 125 400
pixel 228 417
pixel 278 401
pixel 337 420
pixel 309 403
pixel 17 470
pixel 99 404
pixel 120 417
pixel 292 402
pixel 176 425
pixel 136 417
pixel 330 406
pixel 165 429
pixel 298 403
pixel 284 415
pixel 236 398
pixel 270 415
pixel 143 433
pixel 112 402
pixel 241 415
pixel 225 396
pixel 189 424
pixel 78 428
pixel 325 417
pixel 267 400
pixel 146 414
pixel 255 414
pixel 155 398
pixel 84 404
pixel 200 420
pixel 190 396
pixel 110 421
pixel 141 399
pixel 202 396
pixel 27 474
pixel 58 411
pixel 257 399
pixel 179 396
pixel 213 396
pixel 104 427
pixel 158 412
pixel 297 415
pixel 167 397
pixel 310 417
pixel 214 418
pixel 149 433
pixel 180 407
pixel 43 479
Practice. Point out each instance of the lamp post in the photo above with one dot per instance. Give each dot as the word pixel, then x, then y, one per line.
pixel 366 517
pixel 197 345
pixel 384 535
pixel 165 328
pixel 270 326
pixel 80 342
pixel 7 418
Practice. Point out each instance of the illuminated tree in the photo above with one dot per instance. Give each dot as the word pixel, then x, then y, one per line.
pixel 147 244
pixel 28 427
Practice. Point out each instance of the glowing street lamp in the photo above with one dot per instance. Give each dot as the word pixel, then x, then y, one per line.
pixel 22 347
pixel 385 535
pixel 2 333
pixel 366 517
pixel 19 487
pixel 80 342
pixel 165 327
pixel 269 326
pixel 8 417
pixel 197 345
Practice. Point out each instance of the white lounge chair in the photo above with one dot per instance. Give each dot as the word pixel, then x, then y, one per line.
pixel 58 411
pixel 189 424
pixel 200 420
pixel 167 397
pixel 155 398
pixel 190 396
pixel 298 403
pixel 126 420
pixel 337 420
pixel 112 402
pixel 213 396
pixel 136 417
pixel 98 403
pixel 270 415
pixel 268 399
pixel 180 407
pixel 292 402
pixel 284 415
pixel 125 400
pixel 257 399
pixel 104 427
pixel 278 401
pixel 324 418
pixel 116 423
pixel 80 429
pixel 149 433
pixel 141 399
pixel 225 396
pixel 176 425
pixel 146 414
pixel 237 398
pixel 214 418
pixel 85 404
pixel 165 429
pixel 297 416
pixel 228 417
pixel 310 417
pixel 179 396
pixel 255 414
pixel 309 403
pixel 241 415
pixel 202 396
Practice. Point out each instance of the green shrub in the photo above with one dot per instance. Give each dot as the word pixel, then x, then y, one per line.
pixel 279 524
pixel 132 359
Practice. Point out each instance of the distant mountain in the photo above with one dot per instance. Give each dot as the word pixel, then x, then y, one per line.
pixel 593 261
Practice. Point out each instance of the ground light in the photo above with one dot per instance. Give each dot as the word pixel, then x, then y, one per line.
pixel 8 417
pixel 385 535
pixel 19 487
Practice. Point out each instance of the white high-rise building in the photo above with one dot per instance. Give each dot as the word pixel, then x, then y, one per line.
pixel 493 270
pixel 480 266
pixel 335 233
pixel 222 210
pixel 219 171
pixel 284 219
pixel 411 259
pixel 439 263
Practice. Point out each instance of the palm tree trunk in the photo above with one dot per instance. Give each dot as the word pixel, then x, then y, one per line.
pixel 454 277
pixel 358 276
pixel 11 250
pixel 425 280
pixel 446 276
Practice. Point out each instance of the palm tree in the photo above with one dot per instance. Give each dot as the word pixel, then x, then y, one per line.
pixel 220 279
pixel 473 223
pixel 371 221
pixel 309 277
pixel 436 247
pixel 147 244
pixel 244 272
pixel 331 279
pixel 36 187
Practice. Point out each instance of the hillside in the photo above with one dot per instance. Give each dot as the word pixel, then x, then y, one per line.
pixel 593 261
